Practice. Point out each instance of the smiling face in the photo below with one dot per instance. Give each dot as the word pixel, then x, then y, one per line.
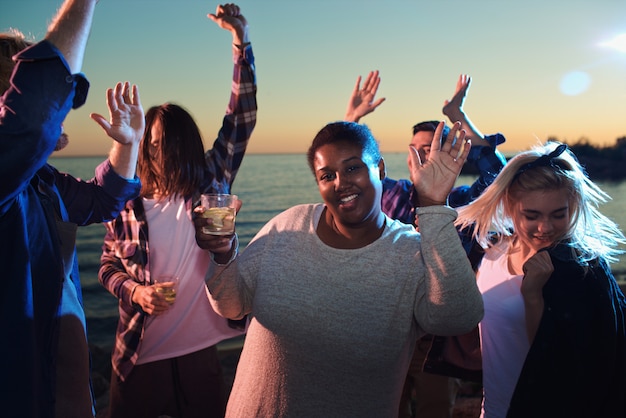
pixel 541 218
pixel 349 182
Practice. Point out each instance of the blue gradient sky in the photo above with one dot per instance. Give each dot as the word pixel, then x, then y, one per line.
pixel 309 54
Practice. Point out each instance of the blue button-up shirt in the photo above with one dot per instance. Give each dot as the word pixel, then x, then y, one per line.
pixel 39 211
pixel 399 196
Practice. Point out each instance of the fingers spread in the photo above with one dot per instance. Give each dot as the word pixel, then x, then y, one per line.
pixel 466 148
pixel 100 120
pixel 126 93
pixel 357 86
pixel 414 155
pixel 136 101
pixel 436 144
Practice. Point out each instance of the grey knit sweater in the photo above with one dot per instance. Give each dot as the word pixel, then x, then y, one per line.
pixel 333 330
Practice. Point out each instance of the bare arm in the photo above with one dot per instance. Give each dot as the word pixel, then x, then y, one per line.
pixel 125 127
pixel 70 29
pixel 453 109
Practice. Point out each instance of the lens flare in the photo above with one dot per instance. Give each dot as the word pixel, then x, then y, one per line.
pixel 618 43
pixel 575 83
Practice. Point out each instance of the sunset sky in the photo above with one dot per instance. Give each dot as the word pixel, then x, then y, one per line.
pixel 520 56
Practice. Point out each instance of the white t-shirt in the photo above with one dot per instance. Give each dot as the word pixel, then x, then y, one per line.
pixel 503 338
pixel 190 324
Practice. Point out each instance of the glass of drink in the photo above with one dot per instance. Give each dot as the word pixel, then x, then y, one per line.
pixel 221 208
pixel 168 286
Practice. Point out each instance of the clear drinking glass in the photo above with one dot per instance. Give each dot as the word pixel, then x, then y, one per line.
pixel 168 285
pixel 221 208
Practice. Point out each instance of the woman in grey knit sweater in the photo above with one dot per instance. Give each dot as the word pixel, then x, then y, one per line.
pixel 338 292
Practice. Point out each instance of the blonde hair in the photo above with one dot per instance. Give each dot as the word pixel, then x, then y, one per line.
pixel 591 233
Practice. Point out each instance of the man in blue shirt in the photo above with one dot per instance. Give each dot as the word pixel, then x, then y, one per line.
pixel 435 394
pixel 44 356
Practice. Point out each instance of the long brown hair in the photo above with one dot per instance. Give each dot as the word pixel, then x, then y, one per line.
pixel 178 167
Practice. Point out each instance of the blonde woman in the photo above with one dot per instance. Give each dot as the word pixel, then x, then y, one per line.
pixel 553 338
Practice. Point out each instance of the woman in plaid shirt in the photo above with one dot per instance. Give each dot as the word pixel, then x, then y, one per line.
pixel 165 359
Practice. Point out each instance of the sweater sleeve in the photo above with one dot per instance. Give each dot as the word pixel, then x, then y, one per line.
pixel 454 303
pixel 228 293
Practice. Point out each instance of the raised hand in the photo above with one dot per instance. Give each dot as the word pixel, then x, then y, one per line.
pixel 228 16
pixel 127 122
pixel 362 100
pixel 453 108
pixel 433 179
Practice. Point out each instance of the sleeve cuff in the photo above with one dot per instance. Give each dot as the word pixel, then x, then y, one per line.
pixel 116 184
pixel 243 54
pixel 436 210
pixel 232 256
pixel 495 139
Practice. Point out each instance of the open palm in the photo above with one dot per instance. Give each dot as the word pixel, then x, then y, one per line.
pixel 433 179
pixel 127 122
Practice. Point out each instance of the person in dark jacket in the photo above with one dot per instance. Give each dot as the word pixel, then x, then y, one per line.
pixel 44 355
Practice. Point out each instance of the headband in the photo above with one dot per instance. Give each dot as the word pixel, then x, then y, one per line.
pixel 546 160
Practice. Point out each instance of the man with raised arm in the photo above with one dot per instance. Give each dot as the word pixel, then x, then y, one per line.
pixel 44 356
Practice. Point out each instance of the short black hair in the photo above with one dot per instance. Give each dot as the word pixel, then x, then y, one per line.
pixel 350 132
pixel 430 126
